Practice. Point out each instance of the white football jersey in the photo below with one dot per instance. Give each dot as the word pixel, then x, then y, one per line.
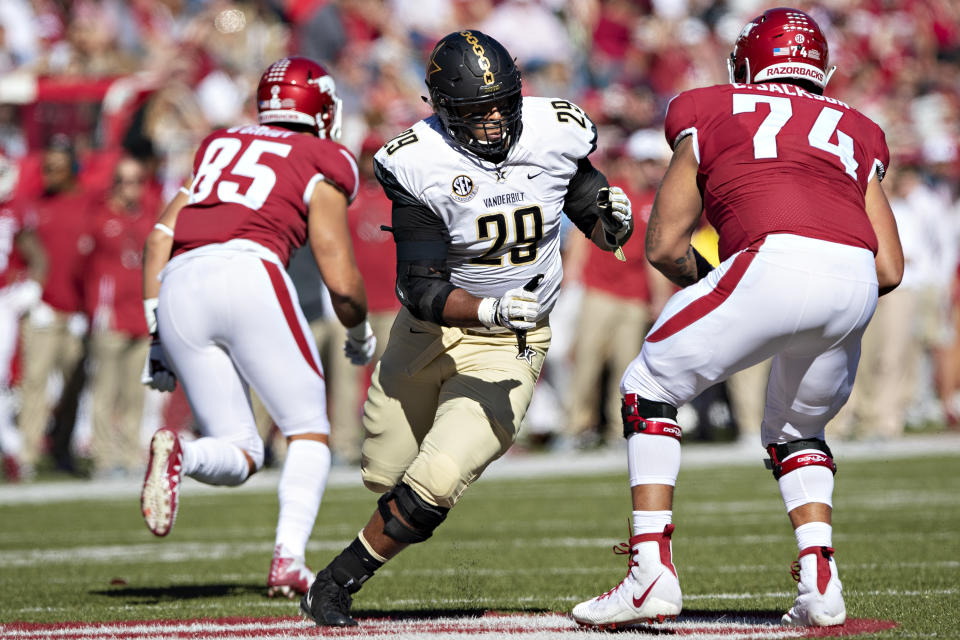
pixel 503 220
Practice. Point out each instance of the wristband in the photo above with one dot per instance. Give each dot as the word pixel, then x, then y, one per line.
pixel 164 228
pixel 488 312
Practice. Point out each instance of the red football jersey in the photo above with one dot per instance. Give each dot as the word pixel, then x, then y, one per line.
pixel 777 159
pixel 255 182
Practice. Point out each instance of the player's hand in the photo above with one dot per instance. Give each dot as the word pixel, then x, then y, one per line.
pixel 157 374
pixel 616 215
pixel 518 309
pixel 361 344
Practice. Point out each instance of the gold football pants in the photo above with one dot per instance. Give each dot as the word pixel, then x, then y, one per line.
pixel 443 404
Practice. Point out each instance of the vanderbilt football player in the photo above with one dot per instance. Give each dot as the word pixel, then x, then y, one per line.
pixel 478 189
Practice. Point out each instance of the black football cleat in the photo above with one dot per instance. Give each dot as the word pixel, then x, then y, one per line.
pixel 327 603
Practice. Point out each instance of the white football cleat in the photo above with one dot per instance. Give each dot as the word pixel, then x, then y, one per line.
pixel 160 496
pixel 289 575
pixel 819 601
pixel 649 593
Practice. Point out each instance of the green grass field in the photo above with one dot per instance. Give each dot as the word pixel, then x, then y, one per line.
pixel 519 545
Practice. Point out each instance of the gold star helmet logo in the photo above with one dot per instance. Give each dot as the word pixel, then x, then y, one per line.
pixel 434 67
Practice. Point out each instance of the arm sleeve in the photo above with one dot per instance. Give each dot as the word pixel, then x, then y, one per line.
pixel 423 279
pixel 580 204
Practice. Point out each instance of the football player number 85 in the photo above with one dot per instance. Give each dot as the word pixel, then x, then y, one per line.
pixel 218 156
pixel 765 140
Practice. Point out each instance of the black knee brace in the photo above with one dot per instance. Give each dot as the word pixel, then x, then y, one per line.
pixel 779 454
pixel 640 416
pixel 415 519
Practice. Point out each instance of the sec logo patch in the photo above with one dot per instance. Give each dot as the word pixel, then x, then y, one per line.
pixel 463 189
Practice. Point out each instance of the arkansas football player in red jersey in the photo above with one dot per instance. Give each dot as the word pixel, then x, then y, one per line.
pixel 790 178
pixel 224 313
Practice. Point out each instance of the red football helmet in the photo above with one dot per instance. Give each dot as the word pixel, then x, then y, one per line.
pixel 301 91
pixel 781 43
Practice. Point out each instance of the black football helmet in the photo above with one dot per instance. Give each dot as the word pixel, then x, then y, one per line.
pixel 470 73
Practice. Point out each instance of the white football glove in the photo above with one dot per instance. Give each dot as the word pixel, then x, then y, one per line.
pixel 150 314
pixel 156 372
pixel 361 344
pixel 616 215
pixel 517 309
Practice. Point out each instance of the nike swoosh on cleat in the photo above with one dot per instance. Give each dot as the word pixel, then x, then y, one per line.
pixel 638 602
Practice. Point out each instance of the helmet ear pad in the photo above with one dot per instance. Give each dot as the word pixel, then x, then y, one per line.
pixel 468 76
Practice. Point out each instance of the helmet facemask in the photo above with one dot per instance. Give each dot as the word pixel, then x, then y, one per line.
pixel 471 79
pixel 468 121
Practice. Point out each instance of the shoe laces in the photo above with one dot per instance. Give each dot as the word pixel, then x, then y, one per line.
pixel 795 565
pixel 622 549
pixel 338 599
pixel 333 594
pixel 795 570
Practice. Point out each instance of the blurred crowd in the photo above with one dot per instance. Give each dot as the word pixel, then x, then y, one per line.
pixel 103 102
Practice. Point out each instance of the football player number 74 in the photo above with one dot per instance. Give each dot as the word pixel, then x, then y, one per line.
pixel 765 140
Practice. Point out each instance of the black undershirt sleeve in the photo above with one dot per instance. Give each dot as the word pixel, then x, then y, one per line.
pixel 423 278
pixel 580 204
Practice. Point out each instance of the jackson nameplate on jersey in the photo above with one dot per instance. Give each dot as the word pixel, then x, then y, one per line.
pixel 503 220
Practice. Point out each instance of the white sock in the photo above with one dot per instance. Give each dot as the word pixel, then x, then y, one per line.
pixel 653 459
pixel 651 521
pixel 214 461
pixel 805 485
pixel 814 534
pixel 302 482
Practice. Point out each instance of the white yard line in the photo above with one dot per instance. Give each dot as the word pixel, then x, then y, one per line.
pixel 547 625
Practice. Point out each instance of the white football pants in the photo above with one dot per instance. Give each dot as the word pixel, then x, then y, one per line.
pixel 804 302
pixel 228 316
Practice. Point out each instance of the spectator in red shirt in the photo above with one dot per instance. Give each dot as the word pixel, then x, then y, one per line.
pixel 54 331
pixel 119 339
pixel 623 299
